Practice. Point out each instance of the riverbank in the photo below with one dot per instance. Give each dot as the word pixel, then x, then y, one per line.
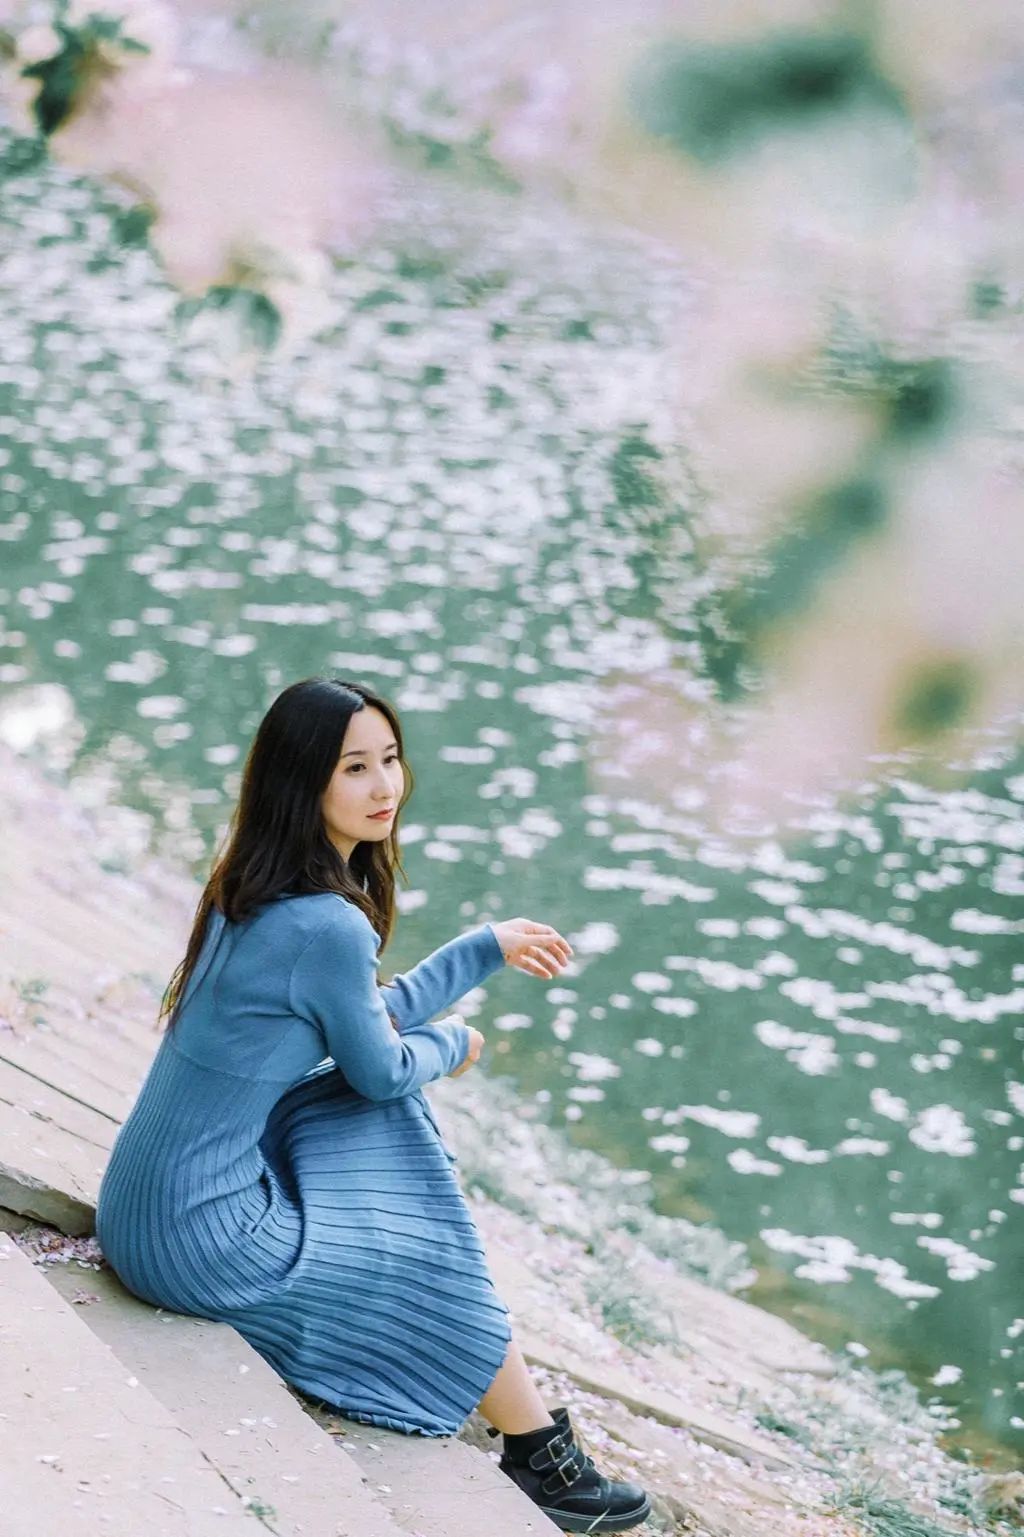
pixel 736 1422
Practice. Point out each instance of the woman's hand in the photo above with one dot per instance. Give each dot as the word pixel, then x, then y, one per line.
pixel 476 1045
pixel 535 948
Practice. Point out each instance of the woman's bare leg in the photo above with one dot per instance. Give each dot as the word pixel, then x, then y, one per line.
pixel 512 1402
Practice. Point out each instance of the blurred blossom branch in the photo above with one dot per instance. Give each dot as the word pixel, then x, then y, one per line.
pixel 250 177
pixel 840 178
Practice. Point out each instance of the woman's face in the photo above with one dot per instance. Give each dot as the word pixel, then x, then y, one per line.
pixel 367 779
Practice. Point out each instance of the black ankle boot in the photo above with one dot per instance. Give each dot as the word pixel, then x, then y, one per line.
pixel 562 1480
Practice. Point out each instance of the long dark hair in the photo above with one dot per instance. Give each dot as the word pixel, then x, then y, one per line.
pixel 276 843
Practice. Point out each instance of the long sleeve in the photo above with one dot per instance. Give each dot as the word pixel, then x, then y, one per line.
pixel 442 978
pixel 333 984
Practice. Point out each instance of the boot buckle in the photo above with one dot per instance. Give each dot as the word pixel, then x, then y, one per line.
pixel 556 1447
pixel 550 1485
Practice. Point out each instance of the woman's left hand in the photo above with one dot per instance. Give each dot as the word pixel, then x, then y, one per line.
pixel 535 948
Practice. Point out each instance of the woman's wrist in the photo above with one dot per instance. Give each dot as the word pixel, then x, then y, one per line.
pixel 497 942
pixel 461 1030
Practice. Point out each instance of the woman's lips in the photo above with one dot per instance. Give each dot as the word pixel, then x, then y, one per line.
pixel 380 816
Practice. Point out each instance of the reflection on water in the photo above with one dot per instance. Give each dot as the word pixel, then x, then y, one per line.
pixel 814 1045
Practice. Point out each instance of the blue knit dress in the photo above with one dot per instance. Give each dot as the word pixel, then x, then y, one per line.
pixel 312 1204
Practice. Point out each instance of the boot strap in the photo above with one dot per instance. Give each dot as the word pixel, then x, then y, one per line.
pixel 567 1472
pixel 560 1479
pixel 550 1452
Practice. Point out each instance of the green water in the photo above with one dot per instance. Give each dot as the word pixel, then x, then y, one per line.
pixel 814 1045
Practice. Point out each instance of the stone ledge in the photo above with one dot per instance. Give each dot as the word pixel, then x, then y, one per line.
pixel 85 1441
pixel 233 1405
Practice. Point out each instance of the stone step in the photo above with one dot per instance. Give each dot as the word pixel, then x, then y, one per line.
pixel 438 1487
pixel 88 1451
pixel 719 1495
pixel 47 1172
pixel 611 1380
pixel 108 1088
pixel 77 925
pixel 71 908
pixel 123 1054
pixel 314 1467
pixel 23 1090
pixel 234 1406
pixel 660 1385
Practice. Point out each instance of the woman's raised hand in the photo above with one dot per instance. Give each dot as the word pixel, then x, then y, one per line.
pixel 535 948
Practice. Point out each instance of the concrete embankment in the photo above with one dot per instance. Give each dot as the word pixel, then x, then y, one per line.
pixel 737 1424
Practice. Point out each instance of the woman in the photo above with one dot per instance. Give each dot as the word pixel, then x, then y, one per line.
pixel 312 1203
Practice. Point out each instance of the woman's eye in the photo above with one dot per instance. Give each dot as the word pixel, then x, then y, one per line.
pixel 355 766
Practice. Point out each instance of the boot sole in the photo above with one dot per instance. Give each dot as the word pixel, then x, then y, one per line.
pixel 567 1522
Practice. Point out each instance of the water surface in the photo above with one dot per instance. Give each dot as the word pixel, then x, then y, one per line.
pixel 813 1042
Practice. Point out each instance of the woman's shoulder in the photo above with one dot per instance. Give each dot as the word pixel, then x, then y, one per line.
pixel 308 915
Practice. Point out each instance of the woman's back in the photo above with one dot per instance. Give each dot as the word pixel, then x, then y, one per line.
pixel 237 1014
pixel 187 1180
pixel 202 1206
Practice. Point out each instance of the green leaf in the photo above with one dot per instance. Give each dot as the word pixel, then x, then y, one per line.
pixel 713 100
pixel 58 81
pixel 938 698
pixel 260 316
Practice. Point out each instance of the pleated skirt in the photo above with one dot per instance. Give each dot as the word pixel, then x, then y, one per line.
pixel 389 1313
